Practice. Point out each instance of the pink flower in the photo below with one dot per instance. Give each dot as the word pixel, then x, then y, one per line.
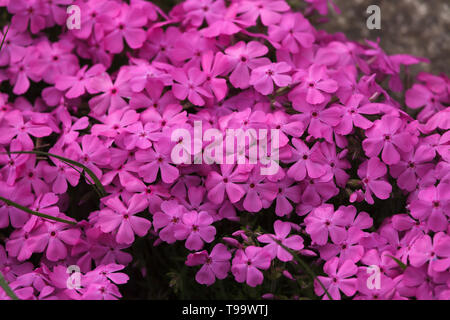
pixel 115 123
pixel 195 229
pixel 339 279
pixel 213 67
pixel 263 77
pixel 282 230
pixel 371 173
pixel 199 10
pixel 54 239
pixel 18 127
pixel 308 162
pixel 353 115
pixel 315 86
pixel 287 190
pixel 412 166
pixel 12 162
pixel 293 33
pixel 112 94
pixel 229 182
pixel 76 84
pixel 247 263
pixel 436 252
pixel 17 194
pixel 107 272
pixel 215 265
pixel 189 85
pixel 152 96
pixel 29 11
pixel 116 217
pixel 388 134
pixel 259 192
pixel 128 25
pixel 321 222
pixel 433 206
pixel 244 57
pixel 60 174
pixel 157 160
pixel 228 24
pixel 421 96
pixel 92 154
pixel 269 11
pixel 167 219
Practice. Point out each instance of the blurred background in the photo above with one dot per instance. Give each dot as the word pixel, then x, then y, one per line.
pixel 417 27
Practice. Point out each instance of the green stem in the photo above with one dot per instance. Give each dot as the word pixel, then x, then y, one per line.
pixel 96 180
pixel 4 37
pixel 5 286
pixel 304 266
pixel 35 213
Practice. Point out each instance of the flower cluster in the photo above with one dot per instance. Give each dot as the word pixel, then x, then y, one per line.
pixel 363 177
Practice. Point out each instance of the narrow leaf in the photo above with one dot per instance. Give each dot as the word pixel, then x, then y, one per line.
pixel 304 266
pixel 91 174
pixel 401 264
pixel 35 213
pixel 4 37
pixel 5 286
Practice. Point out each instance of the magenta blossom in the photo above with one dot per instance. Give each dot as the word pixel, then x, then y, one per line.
pixel 118 217
pixel 195 229
pixel 247 263
pixel 339 279
pixel 215 265
pixel 282 230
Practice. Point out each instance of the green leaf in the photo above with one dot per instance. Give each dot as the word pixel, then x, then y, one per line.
pixel 304 266
pixel 4 37
pixel 35 213
pixel 401 264
pixel 98 185
pixel 5 286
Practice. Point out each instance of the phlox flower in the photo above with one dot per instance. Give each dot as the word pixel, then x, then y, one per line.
pixel 293 33
pixel 323 222
pixel 308 162
pixel 128 25
pixel 339 279
pixel 165 220
pixel 388 136
pixel 268 11
pixel 189 85
pixel 315 86
pixel 53 238
pixel 245 56
pixel 117 216
pixel 228 182
pixel 434 251
pixel 263 77
pixel 157 159
pixel 247 265
pixel 371 173
pixel 214 265
pixel 432 205
pixel 282 230
pixel 195 229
